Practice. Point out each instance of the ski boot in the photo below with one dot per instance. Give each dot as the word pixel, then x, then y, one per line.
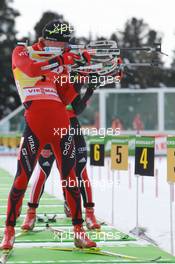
pixel 29 220
pixel 8 239
pixel 80 238
pixel 90 219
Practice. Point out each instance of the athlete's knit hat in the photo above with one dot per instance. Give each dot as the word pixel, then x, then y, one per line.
pixel 56 31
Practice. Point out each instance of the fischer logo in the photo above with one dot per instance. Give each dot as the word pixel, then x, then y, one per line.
pixel 25 155
pixel 32 144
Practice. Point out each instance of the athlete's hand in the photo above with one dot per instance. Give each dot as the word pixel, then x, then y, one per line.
pixel 72 58
pixel 84 59
pixel 86 56
pixel 69 58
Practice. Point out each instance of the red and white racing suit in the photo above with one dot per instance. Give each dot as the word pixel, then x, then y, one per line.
pixel 47 158
pixel 45 112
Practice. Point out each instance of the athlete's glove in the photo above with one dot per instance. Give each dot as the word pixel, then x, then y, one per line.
pixel 86 56
pixel 69 58
pixel 83 59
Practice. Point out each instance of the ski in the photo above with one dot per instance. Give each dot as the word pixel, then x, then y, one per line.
pixel 98 251
pixel 47 228
pixel 22 233
pixel 5 255
pixel 25 232
pixel 57 232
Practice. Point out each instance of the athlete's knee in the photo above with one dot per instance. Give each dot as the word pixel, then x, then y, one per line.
pixel 71 181
pixel 21 182
pixel 74 191
pixel 21 179
pixel 80 166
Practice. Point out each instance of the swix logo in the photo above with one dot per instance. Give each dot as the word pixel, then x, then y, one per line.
pixel 46 153
pixel 32 144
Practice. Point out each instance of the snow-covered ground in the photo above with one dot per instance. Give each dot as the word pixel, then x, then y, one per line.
pixel 115 197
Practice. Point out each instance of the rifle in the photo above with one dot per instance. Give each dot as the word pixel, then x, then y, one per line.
pixel 105 56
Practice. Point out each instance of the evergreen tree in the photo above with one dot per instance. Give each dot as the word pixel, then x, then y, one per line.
pixel 173 61
pixel 138 34
pixel 9 98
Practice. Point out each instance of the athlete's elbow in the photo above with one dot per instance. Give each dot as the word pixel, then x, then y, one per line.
pixel 31 72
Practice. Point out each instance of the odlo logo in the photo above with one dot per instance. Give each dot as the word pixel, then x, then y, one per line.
pixel 67 147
